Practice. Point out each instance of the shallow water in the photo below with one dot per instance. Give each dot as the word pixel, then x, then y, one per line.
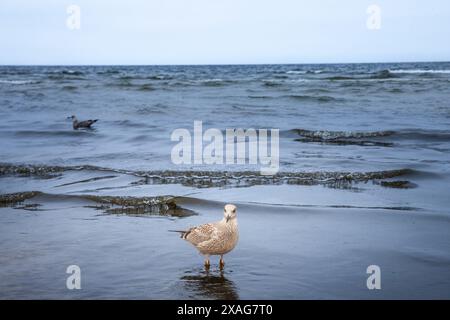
pixel 364 179
pixel 285 251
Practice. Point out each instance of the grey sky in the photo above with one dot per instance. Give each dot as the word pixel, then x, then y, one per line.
pixel 222 31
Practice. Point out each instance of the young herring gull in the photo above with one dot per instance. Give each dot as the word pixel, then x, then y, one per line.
pixel 216 238
pixel 82 124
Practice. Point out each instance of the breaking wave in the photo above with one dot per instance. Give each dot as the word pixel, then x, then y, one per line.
pixel 380 75
pixel 208 179
pixel 331 135
pixel 67 72
pixel 19 82
pixel 419 71
pixel 159 205
pixel 405 134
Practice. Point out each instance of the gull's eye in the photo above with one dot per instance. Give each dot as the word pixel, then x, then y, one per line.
pixel 234 210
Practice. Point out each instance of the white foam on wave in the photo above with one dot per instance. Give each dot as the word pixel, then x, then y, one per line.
pixel 18 81
pixel 417 71
pixel 295 72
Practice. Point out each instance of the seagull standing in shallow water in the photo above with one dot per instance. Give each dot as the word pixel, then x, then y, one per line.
pixel 216 238
pixel 82 124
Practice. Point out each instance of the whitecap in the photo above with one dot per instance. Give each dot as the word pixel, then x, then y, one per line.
pixel 18 81
pixel 418 71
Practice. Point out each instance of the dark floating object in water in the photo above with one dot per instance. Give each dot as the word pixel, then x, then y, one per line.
pixel 82 124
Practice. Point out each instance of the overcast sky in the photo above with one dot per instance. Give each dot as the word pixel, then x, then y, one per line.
pixel 222 31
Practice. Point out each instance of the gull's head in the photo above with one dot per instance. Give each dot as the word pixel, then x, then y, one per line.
pixel 230 212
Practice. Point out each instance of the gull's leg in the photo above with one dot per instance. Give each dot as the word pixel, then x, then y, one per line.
pixel 207 264
pixel 221 262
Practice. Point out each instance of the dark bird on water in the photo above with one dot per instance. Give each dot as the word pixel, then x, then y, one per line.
pixel 82 124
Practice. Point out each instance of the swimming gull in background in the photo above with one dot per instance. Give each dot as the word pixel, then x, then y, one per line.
pixel 216 238
pixel 82 124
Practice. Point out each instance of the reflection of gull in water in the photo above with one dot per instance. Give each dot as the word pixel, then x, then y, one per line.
pixel 217 238
pixel 207 286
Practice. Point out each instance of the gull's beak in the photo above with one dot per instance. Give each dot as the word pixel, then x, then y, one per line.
pixel 228 218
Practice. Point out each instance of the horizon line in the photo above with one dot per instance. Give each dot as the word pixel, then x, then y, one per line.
pixel 220 64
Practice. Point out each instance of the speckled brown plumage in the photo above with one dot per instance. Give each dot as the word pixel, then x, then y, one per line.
pixel 217 238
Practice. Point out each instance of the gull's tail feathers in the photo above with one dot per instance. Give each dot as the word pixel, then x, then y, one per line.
pixel 183 233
